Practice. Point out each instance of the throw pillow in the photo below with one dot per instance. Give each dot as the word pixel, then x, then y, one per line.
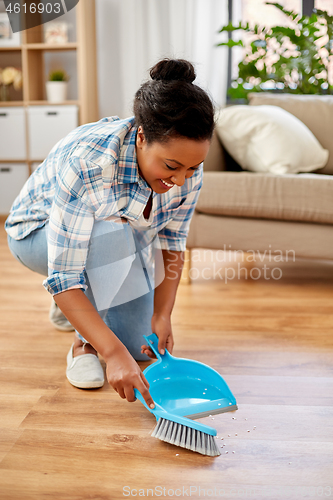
pixel 269 139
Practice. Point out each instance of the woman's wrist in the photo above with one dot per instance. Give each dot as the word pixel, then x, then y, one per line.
pixel 161 322
pixel 163 314
pixel 112 349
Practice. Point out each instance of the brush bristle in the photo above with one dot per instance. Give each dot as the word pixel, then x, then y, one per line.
pixel 186 437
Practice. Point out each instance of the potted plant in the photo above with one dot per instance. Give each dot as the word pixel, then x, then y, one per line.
pixel 297 58
pixel 56 86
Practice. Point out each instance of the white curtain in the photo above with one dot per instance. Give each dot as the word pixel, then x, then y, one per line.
pixel 134 34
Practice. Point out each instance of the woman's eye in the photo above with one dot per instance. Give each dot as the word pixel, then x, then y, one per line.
pixel 170 168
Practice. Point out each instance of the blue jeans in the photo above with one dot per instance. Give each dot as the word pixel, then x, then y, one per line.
pixel 120 284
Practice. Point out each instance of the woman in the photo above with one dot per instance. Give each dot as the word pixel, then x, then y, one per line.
pixel 96 213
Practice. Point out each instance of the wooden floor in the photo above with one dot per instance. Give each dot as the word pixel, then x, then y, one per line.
pixel 272 341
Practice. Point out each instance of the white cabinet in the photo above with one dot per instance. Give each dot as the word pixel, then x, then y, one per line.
pixel 47 125
pixel 12 133
pixel 12 178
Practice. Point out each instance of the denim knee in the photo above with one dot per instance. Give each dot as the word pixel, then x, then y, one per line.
pixel 31 251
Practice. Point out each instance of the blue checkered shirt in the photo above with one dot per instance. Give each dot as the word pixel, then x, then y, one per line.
pixel 90 175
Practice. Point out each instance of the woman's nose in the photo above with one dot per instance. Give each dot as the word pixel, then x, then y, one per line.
pixel 178 179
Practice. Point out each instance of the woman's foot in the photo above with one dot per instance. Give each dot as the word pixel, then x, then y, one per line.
pixel 84 369
pixel 80 348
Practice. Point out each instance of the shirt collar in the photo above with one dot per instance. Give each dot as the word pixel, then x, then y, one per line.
pixel 128 169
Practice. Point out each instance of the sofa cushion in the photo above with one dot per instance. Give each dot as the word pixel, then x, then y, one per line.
pixel 269 139
pixel 315 111
pixel 295 197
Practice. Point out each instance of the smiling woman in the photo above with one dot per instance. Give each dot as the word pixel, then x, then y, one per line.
pixel 90 216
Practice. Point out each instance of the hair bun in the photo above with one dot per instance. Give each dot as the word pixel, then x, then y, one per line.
pixel 173 69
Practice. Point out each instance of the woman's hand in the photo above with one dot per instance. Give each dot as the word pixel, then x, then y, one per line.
pixel 124 374
pixel 161 326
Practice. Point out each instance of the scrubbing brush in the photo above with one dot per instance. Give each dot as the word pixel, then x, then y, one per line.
pixel 183 390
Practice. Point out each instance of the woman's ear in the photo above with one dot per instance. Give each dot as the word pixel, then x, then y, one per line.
pixel 140 138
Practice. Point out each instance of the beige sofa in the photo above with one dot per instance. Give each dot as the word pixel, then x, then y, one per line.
pixel 240 210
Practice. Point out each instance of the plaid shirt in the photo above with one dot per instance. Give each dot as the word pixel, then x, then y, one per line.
pixel 92 174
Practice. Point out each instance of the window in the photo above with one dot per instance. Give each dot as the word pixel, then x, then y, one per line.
pixel 258 12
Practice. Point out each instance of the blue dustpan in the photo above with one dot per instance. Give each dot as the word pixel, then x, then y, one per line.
pixel 184 389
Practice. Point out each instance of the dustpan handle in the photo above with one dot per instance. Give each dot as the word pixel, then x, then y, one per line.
pixel 152 341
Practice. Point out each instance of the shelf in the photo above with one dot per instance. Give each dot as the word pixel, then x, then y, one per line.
pixel 48 46
pixel 6 49
pixel 5 104
pixel 25 160
pixel 14 161
pixel 42 46
pixel 36 58
pixel 47 103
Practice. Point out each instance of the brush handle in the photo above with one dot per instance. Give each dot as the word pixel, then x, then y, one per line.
pixel 160 412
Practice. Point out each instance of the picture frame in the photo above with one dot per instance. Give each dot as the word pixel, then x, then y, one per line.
pixel 7 37
pixel 56 33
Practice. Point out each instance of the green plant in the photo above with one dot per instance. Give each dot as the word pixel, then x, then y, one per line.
pixel 58 75
pixel 297 58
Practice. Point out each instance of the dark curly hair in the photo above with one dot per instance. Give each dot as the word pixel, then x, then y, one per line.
pixel 170 105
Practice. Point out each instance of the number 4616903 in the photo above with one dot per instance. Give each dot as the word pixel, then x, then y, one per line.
pixel 33 8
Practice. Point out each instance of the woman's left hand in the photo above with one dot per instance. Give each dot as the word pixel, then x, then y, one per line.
pixel 161 326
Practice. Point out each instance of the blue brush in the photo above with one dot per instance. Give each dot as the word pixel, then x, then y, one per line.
pixel 182 390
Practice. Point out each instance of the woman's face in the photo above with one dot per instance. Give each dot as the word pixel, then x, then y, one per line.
pixel 164 165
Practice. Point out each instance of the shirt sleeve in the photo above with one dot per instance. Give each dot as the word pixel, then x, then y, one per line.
pixel 173 236
pixel 70 225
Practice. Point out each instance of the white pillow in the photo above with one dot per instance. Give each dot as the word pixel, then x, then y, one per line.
pixel 269 139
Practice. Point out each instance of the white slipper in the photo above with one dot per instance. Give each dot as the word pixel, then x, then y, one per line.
pixel 85 371
pixel 58 319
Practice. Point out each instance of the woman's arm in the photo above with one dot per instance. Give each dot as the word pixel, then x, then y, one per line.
pixel 164 299
pixel 123 373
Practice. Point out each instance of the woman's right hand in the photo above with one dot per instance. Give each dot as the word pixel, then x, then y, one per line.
pixel 124 374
